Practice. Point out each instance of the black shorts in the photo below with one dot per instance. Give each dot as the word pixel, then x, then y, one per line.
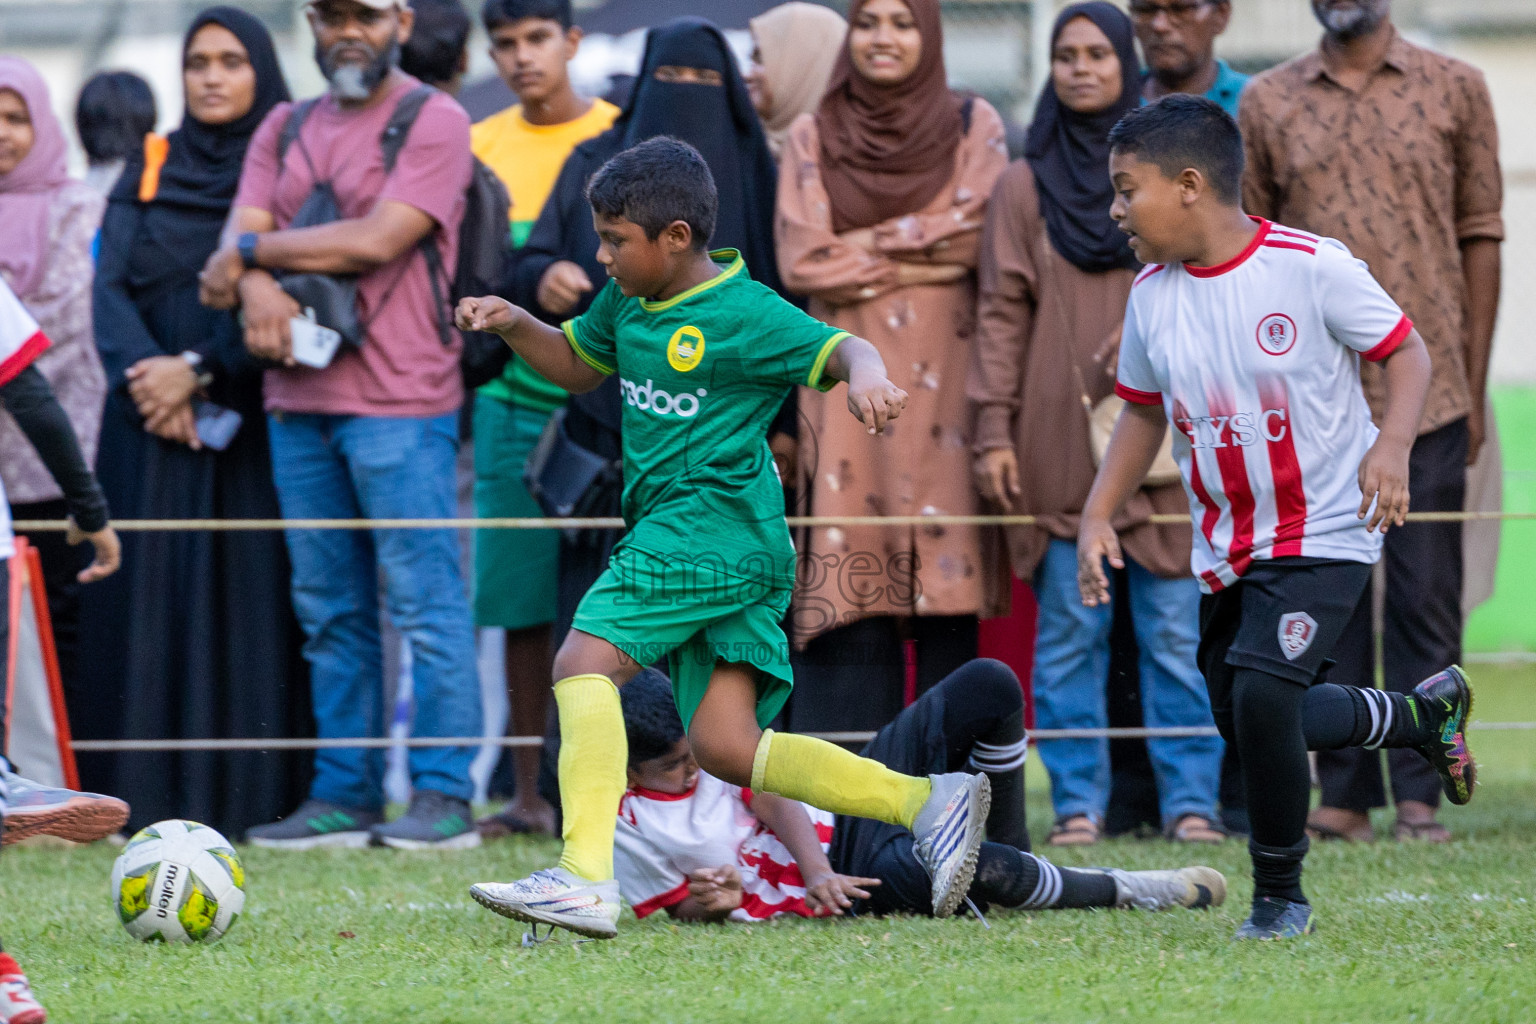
pixel 1283 617
pixel 913 744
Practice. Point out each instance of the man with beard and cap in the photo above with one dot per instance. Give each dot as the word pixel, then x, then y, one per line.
pixel 1178 39
pixel 1393 150
pixel 374 433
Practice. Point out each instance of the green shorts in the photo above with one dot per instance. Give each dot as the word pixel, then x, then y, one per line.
pixel 695 616
pixel 515 570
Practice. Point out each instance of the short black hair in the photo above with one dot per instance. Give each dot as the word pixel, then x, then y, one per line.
pixel 435 51
pixel 496 13
pixel 1180 131
pixel 651 721
pixel 655 183
pixel 116 109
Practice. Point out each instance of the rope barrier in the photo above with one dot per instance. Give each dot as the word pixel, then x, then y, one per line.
pixel 375 742
pixel 614 523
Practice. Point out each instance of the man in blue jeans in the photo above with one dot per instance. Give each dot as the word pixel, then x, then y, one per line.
pixel 372 434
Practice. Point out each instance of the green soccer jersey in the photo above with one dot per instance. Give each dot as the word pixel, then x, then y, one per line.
pixel 702 376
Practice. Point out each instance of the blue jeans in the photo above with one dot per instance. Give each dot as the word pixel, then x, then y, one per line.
pixel 343 467
pixel 1072 668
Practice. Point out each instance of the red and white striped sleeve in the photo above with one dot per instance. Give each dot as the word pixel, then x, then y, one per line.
pixel 1135 380
pixel 648 877
pixel 1357 310
pixel 21 340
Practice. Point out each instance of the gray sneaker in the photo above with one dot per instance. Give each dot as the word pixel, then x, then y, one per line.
pixel 949 830
pixel 434 821
pixel 315 824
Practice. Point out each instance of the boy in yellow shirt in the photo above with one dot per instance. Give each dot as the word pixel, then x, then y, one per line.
pixel 526 145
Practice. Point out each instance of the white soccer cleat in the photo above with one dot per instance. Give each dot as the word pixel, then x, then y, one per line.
pixel 949 831
pixel 555 897
pixel 1195 888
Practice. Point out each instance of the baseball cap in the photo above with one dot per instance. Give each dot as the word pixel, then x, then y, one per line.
pixel 378 5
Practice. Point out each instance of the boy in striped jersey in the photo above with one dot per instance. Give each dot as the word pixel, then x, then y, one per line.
pixel 703 850
pixel 1247 335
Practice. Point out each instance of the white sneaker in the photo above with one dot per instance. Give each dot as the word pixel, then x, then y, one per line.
pixel 1195 888
pixel 949 831
pixel 556 897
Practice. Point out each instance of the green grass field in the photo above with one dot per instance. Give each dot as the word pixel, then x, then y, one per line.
pixel 1406 933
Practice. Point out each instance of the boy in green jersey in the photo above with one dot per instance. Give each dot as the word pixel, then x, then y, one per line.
pixel 706 356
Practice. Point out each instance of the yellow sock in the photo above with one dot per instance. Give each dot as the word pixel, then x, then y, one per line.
pixel 825 775
pixel 594 753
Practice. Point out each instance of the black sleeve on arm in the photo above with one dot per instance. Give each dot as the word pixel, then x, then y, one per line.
pixel 41 418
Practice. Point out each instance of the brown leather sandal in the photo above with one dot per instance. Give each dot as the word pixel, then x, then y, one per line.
pixel 1078 830
pixel 1430 831
pixel 1196 828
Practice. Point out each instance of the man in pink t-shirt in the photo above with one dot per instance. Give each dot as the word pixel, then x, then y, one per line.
pixel 373 433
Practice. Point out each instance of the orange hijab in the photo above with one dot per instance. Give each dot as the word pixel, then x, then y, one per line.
pixel 886 151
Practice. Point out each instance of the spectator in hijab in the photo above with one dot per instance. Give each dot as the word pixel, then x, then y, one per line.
pixel 1055 274
pixel 690 88
pixel 794 47
pixel 113 113
pixel 196 637
pixel 438 50
pixel 879 216
pixel 47 221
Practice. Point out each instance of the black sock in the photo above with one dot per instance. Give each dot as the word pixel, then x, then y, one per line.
pixel 984 730
pixel 1001 757
pixel 1012 878
pixel 1336 716
pixel 1277 870
pixel 1267 719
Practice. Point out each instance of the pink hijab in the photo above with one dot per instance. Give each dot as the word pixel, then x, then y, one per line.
pixel 27 192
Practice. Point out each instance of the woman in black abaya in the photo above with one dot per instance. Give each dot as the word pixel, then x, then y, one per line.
pixel 198 639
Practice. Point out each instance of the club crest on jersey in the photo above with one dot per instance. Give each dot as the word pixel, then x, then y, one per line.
pixel 1296 632
pixel 686 349
pixel 1276 334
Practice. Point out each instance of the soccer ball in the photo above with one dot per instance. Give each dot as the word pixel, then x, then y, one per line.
pixel 178 881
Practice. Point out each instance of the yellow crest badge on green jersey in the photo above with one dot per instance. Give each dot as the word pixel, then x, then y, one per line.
pixel 686 349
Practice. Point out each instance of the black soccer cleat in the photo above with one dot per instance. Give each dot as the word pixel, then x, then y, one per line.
pixel 1446 700
pixel 1275 918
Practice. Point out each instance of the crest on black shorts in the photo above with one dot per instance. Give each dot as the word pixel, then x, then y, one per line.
pixel 1296 632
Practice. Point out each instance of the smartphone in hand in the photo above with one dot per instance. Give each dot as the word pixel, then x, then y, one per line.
pixel 216 425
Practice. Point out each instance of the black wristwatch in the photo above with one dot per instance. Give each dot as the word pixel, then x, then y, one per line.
pixel 246 246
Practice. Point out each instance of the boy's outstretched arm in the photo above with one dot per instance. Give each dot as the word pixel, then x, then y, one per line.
pixel 826 891
pixel 1384 470
pixel 1138 435
pixel 871 395
pixel 544 347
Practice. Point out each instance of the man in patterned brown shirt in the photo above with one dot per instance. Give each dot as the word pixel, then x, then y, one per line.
pixel 1392 149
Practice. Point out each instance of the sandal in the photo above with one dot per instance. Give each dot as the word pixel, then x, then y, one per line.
pixel 1078 830
pixel 1196 828
pixel 506 823
pixel 1430 831
pixel 1320 831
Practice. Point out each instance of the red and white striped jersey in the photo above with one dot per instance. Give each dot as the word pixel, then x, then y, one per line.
pixel 21 341
pixel 662 837
pixel 1256 363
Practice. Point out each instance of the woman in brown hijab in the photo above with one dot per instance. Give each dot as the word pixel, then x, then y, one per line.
pixel 881 198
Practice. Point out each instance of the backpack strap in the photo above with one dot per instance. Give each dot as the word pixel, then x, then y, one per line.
pixel 290 134
pixel 392 141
